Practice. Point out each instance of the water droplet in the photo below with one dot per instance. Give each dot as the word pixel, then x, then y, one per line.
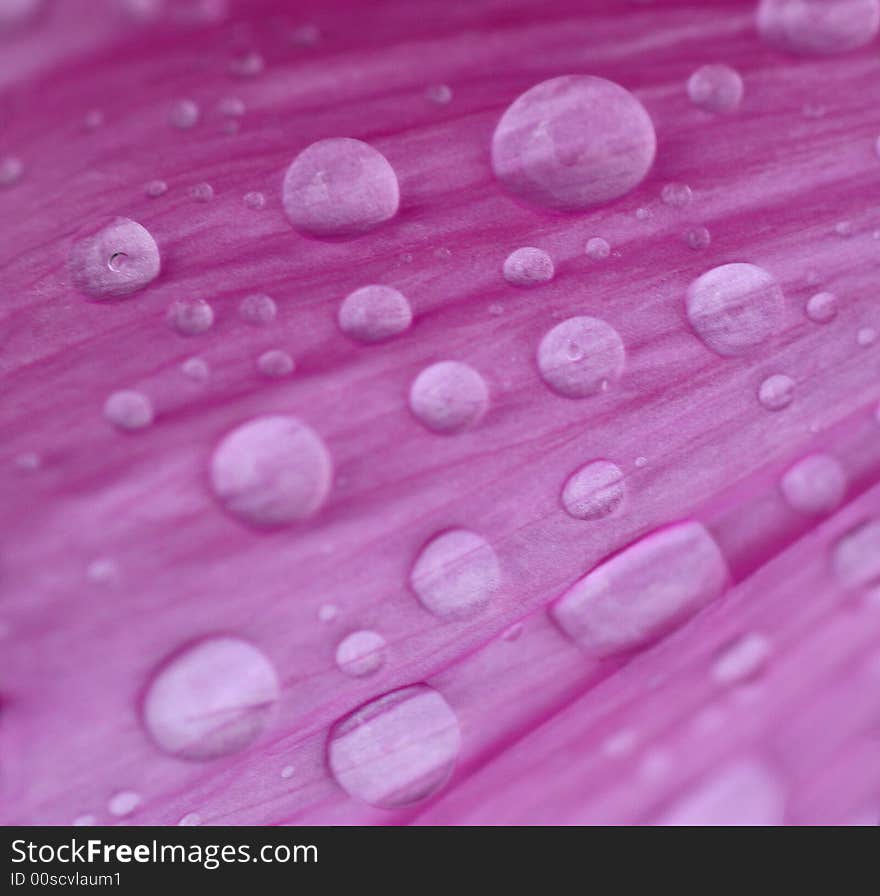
pixel 642 214
pixel 287 771
pixel 305 36
pixel 856 556
pixel 581 356
pixel 90 266
pixel 103 571
pixel 715 88
pixel 254 200
pixel 822 307
pixel 528 267
pixel 455 573
pixel 156 188
pixel 275 363
pixel 619 744
pixel 190 820
pixel 866 337
pixel 573 142
pixel 93 119
pixel 698 238
pixel 676 195
pixel 123 803
pixel 844 228
pixel 594 491
pixel 184 114
pixel 395 750
pixel 339 188
pixel 443 253
pixel 85 821
pixel 129 410
pixel 598 249
pixel 328 612
pixel 496 309
pixel 257 309
pixel 211 699
pixel 742 793
pixel 11 170
pixel 247 65
pixel 641 462
pixel 202 192
pixel 361 653
pixel 818 27
pixel 271 471
pixel 190 317
pixel 742 659
pixel 645 591
pixel 734 307
pixel 438 94
pixel 815 485
pixel 448 397
pixel 374 313
pixel 196 369
pixel 776 392
pixel 29 461
pixel 231 107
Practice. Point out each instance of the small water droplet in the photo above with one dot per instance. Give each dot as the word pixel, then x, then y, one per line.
pixel 287 771
pixel 594 491
pixel 184 114
pixel 396 750
pixel 844 228
pixel 190 820
pixel 123 803
pixel 361 653
pixel 275 363
pixel 339 187
pixel 202 192
pixel 619 744
pixel 211 699
pixel 438 94
pixel 676 195
pixel 496 309
pixel 95 260
pixel 742 659
pixel 305 36
pixel 856 555
pixel 374 313
pixel 254 200
pixel 818 27
pixel 528 267
pixel 129 410
pixel 822 307
pixel 190 317
pixel 573 142
pixel 641 462
pixel 85 821
pixel 11 170
pixel 643 592
pixel 455 573
pixel 580 357
pixel 698 238
pixel 734 308
pixel 328 612
pixel 271 471
pixel 257 309
pixel 866 337
pixel 28 461
pixel 103 571
pixel 247 65
pixel 776 392
pixel 93 119
pixel 449 396
pixel 155 188
pixel 597 248
pixel 715 88
pixel 196 369
pixel 815 485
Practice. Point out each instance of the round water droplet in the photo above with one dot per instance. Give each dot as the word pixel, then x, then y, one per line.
pixel 129 410
pixel 247 65
pixel 597 248
pixel 96 260
pixel 190 317
pixel 11 170
pixel 328 612
pixel 734 307
pixel 594 491
pixel 257 309
pixel 361 653
pixel 573 142
pixel 438 94
pixel 287 771
pixel 275 363
pixel 196 369
pixel 715 88
pixel 190 820
pixel 528 267
pixel 815 485
pixel 818 27
pixel 822 307
pixel 231 107
pixel 156 188
pixel 698 238
pixel 856 555
pixel 581 356
pixel 184 114
pixel 676 195
pixel 212 699
pixel 448 397
pixel 271 471
pixel 455 573
pixel 866 336
pixel 397 749
pixel 374 313
pixel 742 659
pixel 254 200
pixel 123 803
pixel 776 392
pixel 103 571
pixel 202 192
pixel 339 188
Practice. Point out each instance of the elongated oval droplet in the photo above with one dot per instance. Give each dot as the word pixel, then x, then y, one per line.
pixel 594 491
pixel 116 260
pixel 581 356
pixel 644 592
pixel 856 555
pixel 396 750
pixel 815 485
pixel 374 314
pixel 271 471
pixel 528 267
pixel 456 573
pixel 449 396
pixel 818 27
pixel 212 699
pixel 776 392
pixel 361 653
pixel 734 307
pixel 741 659
pixel 573 142
pixel 339 187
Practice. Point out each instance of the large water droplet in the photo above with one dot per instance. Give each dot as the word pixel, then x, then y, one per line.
pixel 573 142
pixel 856 555
pixel 581 356
pixel 776 392
pixel 645 591
pixel 594 491
pixel 449 396
pixel 528 267
pixel 212 699
pixel 339 187
pixel 361 653
pixel 734 307
pixel 374 313
pixel 271 471
pixel 117 260
pixel 814 485
pixel 715 88
pixel 397 749
pixel 129 410
pixel 455 573
pixel 818 27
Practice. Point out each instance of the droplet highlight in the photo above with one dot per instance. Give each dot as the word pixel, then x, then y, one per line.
pixel 117 260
